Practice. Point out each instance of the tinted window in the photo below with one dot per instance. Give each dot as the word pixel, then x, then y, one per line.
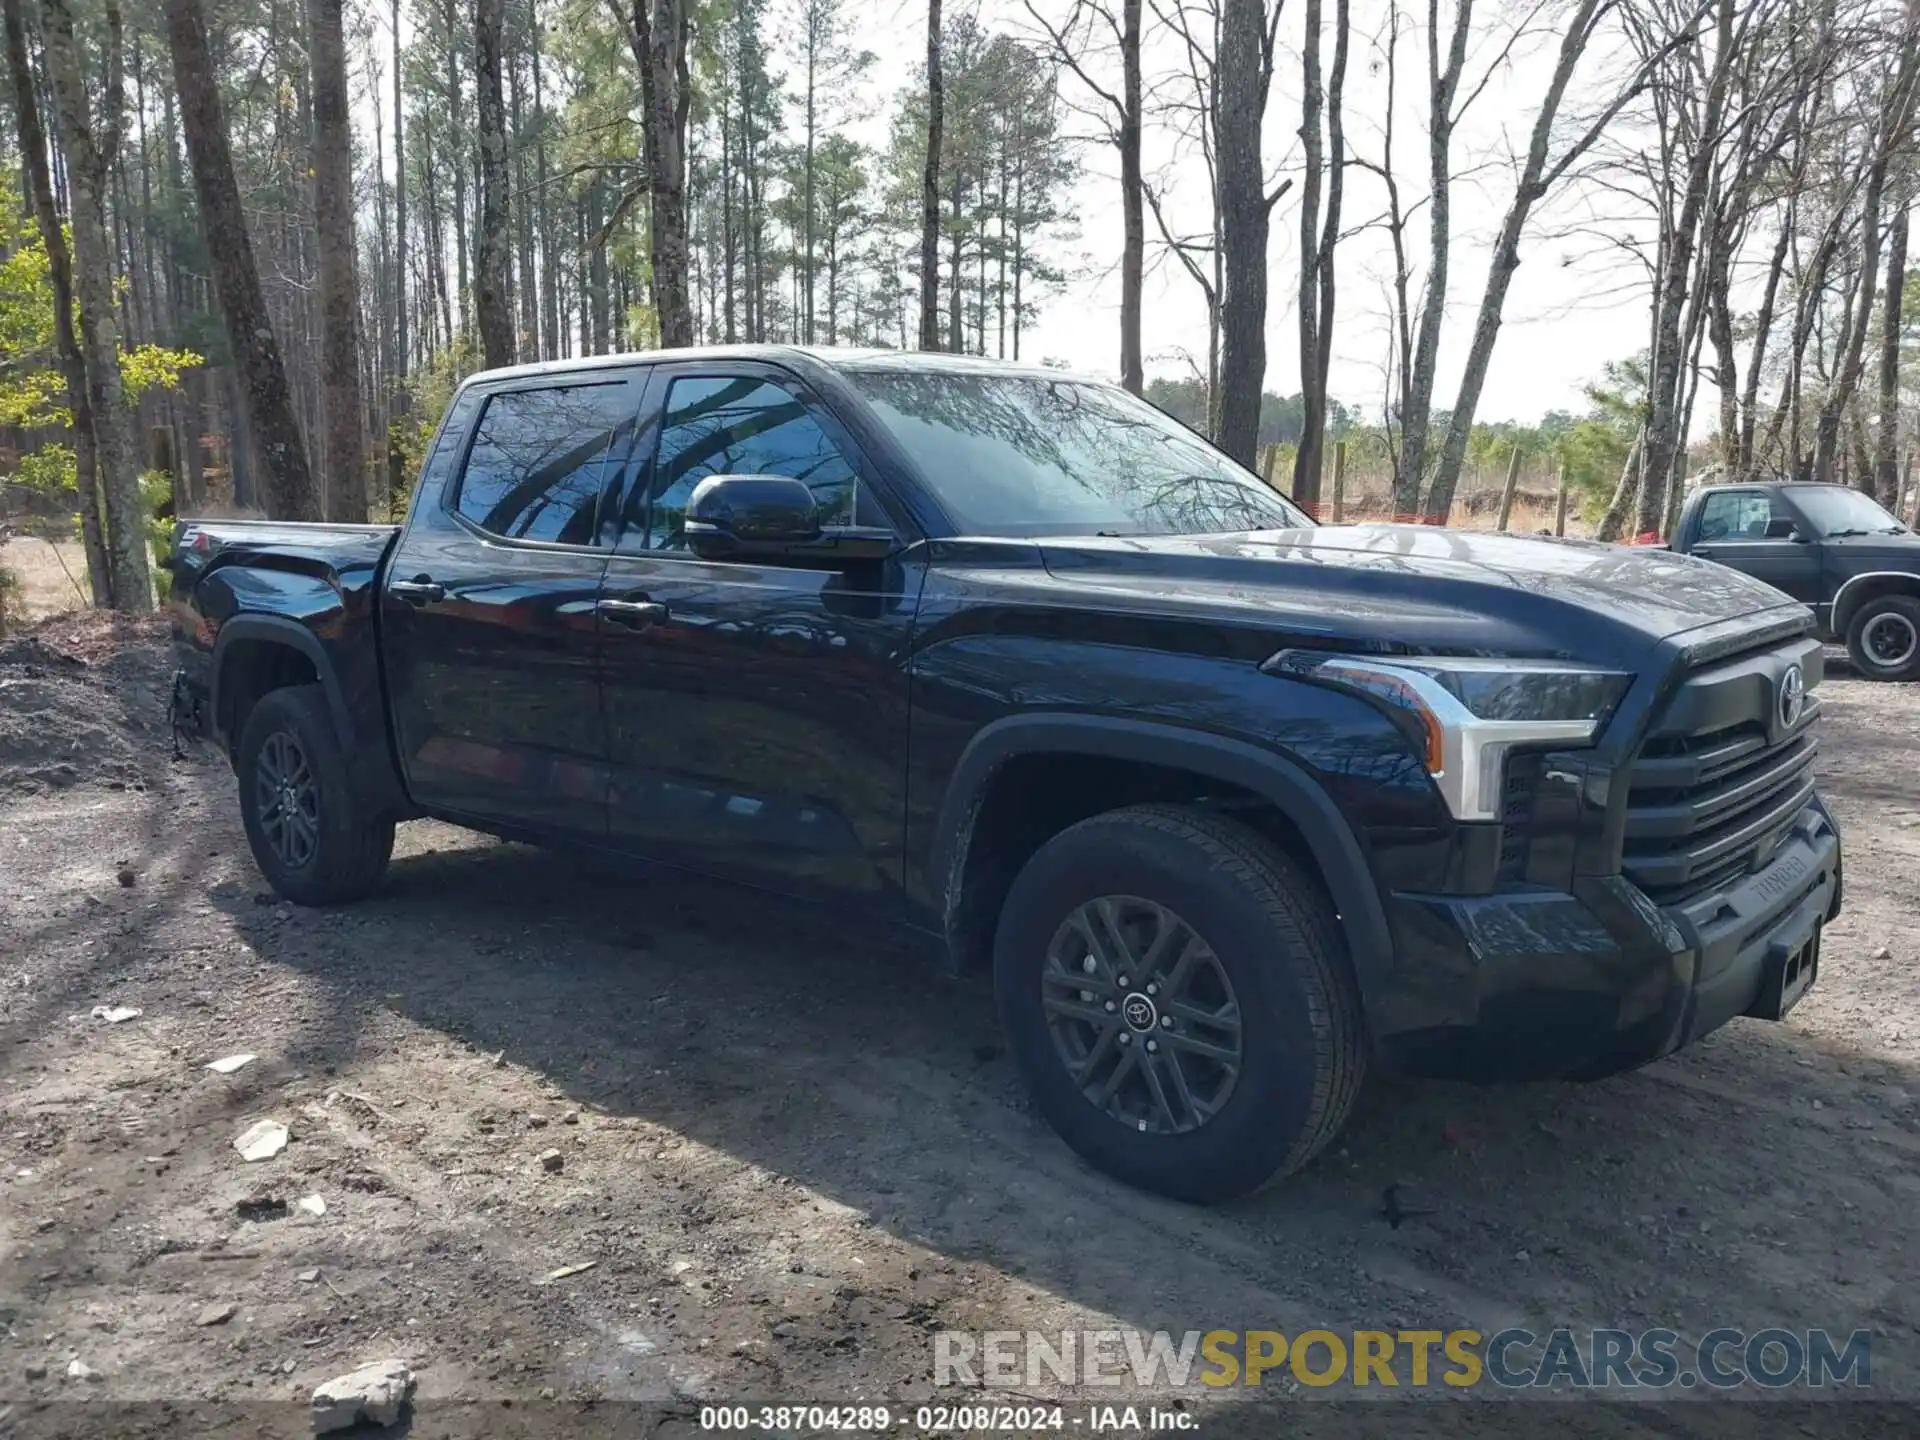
pixel 739 426
pixel 1028 455
pixel 1735 515
pixel 540 458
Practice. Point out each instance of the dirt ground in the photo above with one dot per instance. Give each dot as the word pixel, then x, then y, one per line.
pixel 790 1154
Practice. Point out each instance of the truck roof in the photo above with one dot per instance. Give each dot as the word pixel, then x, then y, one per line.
pixel 838 357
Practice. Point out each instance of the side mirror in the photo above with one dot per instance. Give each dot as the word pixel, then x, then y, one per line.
pixel 745 514
pixel 771 518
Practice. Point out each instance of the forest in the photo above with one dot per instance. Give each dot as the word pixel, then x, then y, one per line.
pixel 249 247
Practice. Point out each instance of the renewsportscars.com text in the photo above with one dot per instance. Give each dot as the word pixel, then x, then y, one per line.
pixel 1514 1359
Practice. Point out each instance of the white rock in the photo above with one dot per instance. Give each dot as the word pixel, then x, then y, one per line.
pixel 78 1369
pixel 261 1141
pixel 114 1014
pixel 310 1205
pixel 227 1064
pixel 375 1392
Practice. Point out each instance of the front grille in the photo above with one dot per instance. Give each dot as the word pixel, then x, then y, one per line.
pixel 1719 781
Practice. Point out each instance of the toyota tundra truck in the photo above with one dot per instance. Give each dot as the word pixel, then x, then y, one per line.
pixel 1231 807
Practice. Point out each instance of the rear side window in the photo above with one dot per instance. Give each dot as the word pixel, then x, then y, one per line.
pixel 540 459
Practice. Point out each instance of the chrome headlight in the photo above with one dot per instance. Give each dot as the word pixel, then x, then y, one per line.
pixel 1468 714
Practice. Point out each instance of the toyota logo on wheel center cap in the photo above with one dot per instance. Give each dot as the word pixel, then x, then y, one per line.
pixel 1792 698
pixel 1139 1013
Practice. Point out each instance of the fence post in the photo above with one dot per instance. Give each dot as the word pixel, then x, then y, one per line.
pixel 1560 505
pixel 1339 482
pixel 1506 493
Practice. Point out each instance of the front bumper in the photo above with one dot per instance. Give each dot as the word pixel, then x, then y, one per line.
pixel 1542 984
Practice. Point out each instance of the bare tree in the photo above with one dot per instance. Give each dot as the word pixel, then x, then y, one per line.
pixel 491 305
pixel 1319 232
pixel 1889 137
pixel 1886 481
pixel 930 191
pixel 91 149
pixel 1541 171
pixel 1245 77
pixel 73 365
pixel 1094 29
pixel 290 493
pixel 658 35
pixel 346 490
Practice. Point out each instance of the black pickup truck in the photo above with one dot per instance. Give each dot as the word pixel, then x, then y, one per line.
pixel 1232 806
pixel 1833 549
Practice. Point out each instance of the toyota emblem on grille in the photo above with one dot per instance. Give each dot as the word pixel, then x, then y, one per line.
pixel 1792 698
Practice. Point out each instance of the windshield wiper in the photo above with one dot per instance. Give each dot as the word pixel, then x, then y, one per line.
pixel 1845 534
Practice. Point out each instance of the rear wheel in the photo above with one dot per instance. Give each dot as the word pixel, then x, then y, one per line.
pixel 306 826
pixel 1883 639
pixel 1174 990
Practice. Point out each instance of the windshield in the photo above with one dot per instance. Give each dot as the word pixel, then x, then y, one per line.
pixel 1031 455
pixel 1834 510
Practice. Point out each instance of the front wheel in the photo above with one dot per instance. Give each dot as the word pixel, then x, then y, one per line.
pixel 1883 639
pixel 1175 992
pixel 307 828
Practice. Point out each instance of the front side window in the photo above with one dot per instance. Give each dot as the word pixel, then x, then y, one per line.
pixel 1014 454
pixel 739 425
pixel 1735 515
pixel 540 459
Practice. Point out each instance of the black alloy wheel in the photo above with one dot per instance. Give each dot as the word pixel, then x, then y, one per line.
pixel 1143 1014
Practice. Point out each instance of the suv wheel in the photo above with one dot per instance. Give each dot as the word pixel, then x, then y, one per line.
pixel 1174 989
pixel 303 820
pixel 1883 640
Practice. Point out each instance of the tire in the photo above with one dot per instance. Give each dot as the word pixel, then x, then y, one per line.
pixel 290 734
pixel 1883 638
pixel 1268 941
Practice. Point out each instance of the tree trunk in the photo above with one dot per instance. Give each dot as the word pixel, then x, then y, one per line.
pixel 73 367
pixel 1240 99
pixel 1133 252
pixel 346 491
pixel 930 191
pixel 403 356
pixel 660 30
pixel 1442 83
pixel 289 492
pixel 1886 482
pixel 89 161
pixel 491 305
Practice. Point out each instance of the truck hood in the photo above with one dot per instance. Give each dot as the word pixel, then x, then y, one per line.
pixel 1903 549
pixel 1419 585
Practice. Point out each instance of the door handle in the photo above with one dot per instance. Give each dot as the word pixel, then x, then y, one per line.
pixel 421 590
pixel 634 614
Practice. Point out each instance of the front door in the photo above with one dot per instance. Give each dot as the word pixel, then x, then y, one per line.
pixel 756 713
pixel 493 641
pixel 1740 528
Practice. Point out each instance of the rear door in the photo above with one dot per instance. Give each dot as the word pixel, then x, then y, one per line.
pixel 1733 529
pixel 756 713
pixel 492 637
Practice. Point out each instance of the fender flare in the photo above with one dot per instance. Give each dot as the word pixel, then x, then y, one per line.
pixel 1349 879
pixel 1842 614
pixel 279 630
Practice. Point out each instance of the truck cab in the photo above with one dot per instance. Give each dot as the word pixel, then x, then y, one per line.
pixel 1834 549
